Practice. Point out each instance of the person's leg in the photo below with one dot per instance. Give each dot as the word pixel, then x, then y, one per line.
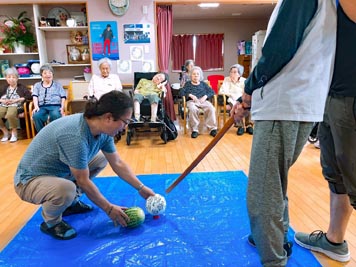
pixel 13 120
pixel 276 146
pixel 54 113
pixel 337 139
pixel 209 115
pixel 193 119
pixel 340 212
pixel 3 128
pixel 342 122
pixel 53 193
pixel 138 98
pixel 40 118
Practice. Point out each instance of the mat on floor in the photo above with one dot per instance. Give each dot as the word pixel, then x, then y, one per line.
pixel 205 224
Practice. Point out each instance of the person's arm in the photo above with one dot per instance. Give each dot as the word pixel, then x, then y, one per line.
pixel 123 170
pixel 349 7
pixel 282 42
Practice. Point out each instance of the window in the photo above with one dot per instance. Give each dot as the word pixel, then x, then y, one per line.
pixel 205 49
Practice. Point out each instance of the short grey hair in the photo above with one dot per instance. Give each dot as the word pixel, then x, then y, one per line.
pixel 11 71
pixel 104 60
pixel 188 61
pixel 46 67
pixel 200 71
pixel 240 68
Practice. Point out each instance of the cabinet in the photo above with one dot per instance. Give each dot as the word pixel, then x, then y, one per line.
pixel 245 61
pixel 23 58
pixel 52 41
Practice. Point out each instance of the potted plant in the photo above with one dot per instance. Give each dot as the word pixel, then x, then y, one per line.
pixel 17 31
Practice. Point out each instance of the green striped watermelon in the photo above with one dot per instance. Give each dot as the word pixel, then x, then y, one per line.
pixel 136 215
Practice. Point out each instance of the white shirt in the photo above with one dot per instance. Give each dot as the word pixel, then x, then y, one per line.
pixel 99 85
pixel 232 90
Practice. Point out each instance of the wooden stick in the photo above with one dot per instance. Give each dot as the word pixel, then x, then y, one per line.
pixel 212 143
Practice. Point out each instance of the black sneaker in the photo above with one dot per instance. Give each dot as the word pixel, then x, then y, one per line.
pixel 61 230
pixel 249 130
pixel 287 246
pixel 213 133
pixel 78 207
pixel 194 134
pixel 240 131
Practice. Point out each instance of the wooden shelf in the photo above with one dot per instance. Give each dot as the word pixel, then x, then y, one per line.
pixel 21 54
pixel 26 78
pixel 62 28
pixel 69 65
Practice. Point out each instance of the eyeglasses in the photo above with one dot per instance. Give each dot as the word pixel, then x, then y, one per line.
pixel 126 121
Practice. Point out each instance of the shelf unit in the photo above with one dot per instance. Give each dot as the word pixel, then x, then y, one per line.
pixel 52 42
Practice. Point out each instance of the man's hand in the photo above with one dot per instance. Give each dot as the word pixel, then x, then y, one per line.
pixel 246 100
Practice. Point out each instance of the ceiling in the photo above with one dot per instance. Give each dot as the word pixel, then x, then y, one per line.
pixel 224 11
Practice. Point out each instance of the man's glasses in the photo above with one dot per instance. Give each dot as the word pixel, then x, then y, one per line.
pixel 126 121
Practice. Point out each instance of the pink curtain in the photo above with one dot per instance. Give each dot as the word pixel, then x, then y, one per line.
pixel 182 49
pixel 164 40
pixel 208 52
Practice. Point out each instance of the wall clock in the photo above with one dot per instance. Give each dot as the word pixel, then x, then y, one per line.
pixel 119 7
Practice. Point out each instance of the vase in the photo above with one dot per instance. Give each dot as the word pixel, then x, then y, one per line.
pixel 19 48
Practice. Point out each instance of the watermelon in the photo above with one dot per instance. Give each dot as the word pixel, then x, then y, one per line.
pixel 136 215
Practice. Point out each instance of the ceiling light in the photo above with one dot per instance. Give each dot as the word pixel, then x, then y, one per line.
pixel 209 5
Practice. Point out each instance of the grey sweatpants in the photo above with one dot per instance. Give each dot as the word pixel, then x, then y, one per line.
pixel 276 146
pixel 56 193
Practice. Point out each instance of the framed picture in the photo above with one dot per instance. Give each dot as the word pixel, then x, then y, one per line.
pixel 78 54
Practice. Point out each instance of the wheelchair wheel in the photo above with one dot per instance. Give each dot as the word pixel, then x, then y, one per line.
pixel 128 138
pixel 164 136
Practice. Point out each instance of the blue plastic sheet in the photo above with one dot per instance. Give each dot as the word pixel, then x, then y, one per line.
pixel 205 224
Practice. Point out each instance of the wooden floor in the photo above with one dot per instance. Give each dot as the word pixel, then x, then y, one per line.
pixel 308 192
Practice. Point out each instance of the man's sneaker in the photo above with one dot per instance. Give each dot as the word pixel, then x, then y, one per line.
pixel 61 230
pixel 78 207
pixel 317 241
pixel 287 246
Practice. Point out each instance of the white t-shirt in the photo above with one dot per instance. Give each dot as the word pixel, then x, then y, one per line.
pixel 99 85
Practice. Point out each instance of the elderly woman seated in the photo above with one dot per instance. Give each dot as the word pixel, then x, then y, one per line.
pixel 197 94
pixel 151 90
pixel 48 99
pixel 105 82
pixel 233 87
pixel 12 97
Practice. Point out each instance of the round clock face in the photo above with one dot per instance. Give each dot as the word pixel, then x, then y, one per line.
pixel 119 7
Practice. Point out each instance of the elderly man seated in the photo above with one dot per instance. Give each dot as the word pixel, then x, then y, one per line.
pixel 151 90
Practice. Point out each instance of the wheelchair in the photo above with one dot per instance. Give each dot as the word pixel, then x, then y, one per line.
pixel 145 125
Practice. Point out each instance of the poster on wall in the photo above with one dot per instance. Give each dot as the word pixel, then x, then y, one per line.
pixel 137 33
pixel 104 39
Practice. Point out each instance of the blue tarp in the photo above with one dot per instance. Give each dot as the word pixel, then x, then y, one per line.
pixel 205 224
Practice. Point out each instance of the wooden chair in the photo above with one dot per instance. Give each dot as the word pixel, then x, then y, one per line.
pixel 223 108
pixel 75 96
pixel 185 108
pixel 30 111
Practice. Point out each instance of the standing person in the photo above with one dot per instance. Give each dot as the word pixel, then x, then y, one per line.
pixel 188 66
pixel 337 137
pixel 288 88
pixel 69 153
pixel 197 94
pixel 48 98
pixel 233 87
pixel 12 98
pixel 107 35
pixel 105 82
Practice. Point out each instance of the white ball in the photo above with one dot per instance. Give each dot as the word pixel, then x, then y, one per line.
pixel 156 204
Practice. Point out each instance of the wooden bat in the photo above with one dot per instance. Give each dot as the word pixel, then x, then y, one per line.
pixel 206 150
